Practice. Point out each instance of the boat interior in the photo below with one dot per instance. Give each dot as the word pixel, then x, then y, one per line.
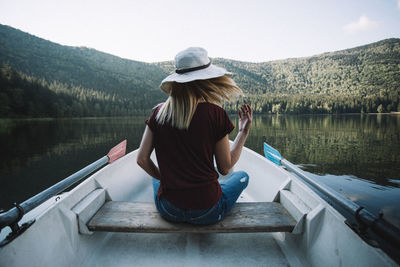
pixel 110 220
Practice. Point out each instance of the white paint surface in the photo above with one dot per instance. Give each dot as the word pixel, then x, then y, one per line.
pixel 54 239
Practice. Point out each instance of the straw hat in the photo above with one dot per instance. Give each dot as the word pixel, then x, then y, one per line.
pixel 192 64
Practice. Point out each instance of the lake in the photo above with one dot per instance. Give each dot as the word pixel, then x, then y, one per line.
pixel 357 155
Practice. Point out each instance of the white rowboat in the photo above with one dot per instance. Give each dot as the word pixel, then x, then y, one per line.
pixel 60 235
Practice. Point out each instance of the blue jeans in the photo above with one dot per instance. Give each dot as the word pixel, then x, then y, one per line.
pixel 231 190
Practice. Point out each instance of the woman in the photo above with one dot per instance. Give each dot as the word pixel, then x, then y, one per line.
pixel 187 132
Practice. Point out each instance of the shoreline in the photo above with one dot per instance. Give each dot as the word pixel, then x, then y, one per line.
pixel 229 113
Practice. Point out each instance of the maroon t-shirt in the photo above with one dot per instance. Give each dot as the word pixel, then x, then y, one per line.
pixel 185 157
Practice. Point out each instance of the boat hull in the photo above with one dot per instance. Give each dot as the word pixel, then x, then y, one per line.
pixel 321 237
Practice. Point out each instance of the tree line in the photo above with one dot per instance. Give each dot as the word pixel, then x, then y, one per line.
pixel 26 96
pixel 383 102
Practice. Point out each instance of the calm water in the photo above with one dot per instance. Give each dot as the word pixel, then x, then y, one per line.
pixel 358 155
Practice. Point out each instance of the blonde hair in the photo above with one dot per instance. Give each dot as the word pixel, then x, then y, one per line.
pixel 184 97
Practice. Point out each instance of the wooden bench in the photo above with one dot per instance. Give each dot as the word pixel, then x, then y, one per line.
pixel 116 216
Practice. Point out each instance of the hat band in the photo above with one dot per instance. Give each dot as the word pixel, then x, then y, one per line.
pixel 193 69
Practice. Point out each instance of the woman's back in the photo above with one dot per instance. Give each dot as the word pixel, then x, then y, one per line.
pixel 185 157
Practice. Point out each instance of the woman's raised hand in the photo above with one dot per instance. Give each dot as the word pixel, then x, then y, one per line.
pixel 245 118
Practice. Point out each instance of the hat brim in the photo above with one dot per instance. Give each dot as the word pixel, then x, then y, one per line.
pixel 208 73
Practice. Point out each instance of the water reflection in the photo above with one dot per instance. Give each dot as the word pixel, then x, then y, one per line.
pixel 357 155
pixel 377 198
pixel 366 146
pixel 36 154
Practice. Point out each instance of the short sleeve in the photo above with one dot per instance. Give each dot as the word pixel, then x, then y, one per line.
pixel 223 124
pixel 151 121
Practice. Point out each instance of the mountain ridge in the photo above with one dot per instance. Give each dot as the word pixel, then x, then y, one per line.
pixel 358 79
pixel 38 48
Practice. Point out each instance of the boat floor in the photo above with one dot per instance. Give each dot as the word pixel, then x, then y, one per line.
pixel 173 249
pixel 186 249
pixel 216 249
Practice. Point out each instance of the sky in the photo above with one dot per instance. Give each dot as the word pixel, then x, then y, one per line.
pixel 247 30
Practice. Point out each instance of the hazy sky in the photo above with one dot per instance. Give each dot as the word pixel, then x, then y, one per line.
pixel 248 30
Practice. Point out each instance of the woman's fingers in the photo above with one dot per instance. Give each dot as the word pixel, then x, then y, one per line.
pixel 249 110
pixel 245 117
pixel 245 111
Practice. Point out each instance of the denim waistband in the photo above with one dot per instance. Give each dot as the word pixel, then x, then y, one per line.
pixel 176 214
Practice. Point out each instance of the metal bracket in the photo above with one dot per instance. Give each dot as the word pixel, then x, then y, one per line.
pixel 14 234
pixel 15 227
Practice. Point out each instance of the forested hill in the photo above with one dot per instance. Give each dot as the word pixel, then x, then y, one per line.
pixel 361 79
pixel 92 83
pixel 135 84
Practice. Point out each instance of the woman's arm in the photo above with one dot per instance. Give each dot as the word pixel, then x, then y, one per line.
pixel 143 158
pixel 226 156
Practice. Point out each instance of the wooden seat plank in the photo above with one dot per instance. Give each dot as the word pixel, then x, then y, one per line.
pixel 116 216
